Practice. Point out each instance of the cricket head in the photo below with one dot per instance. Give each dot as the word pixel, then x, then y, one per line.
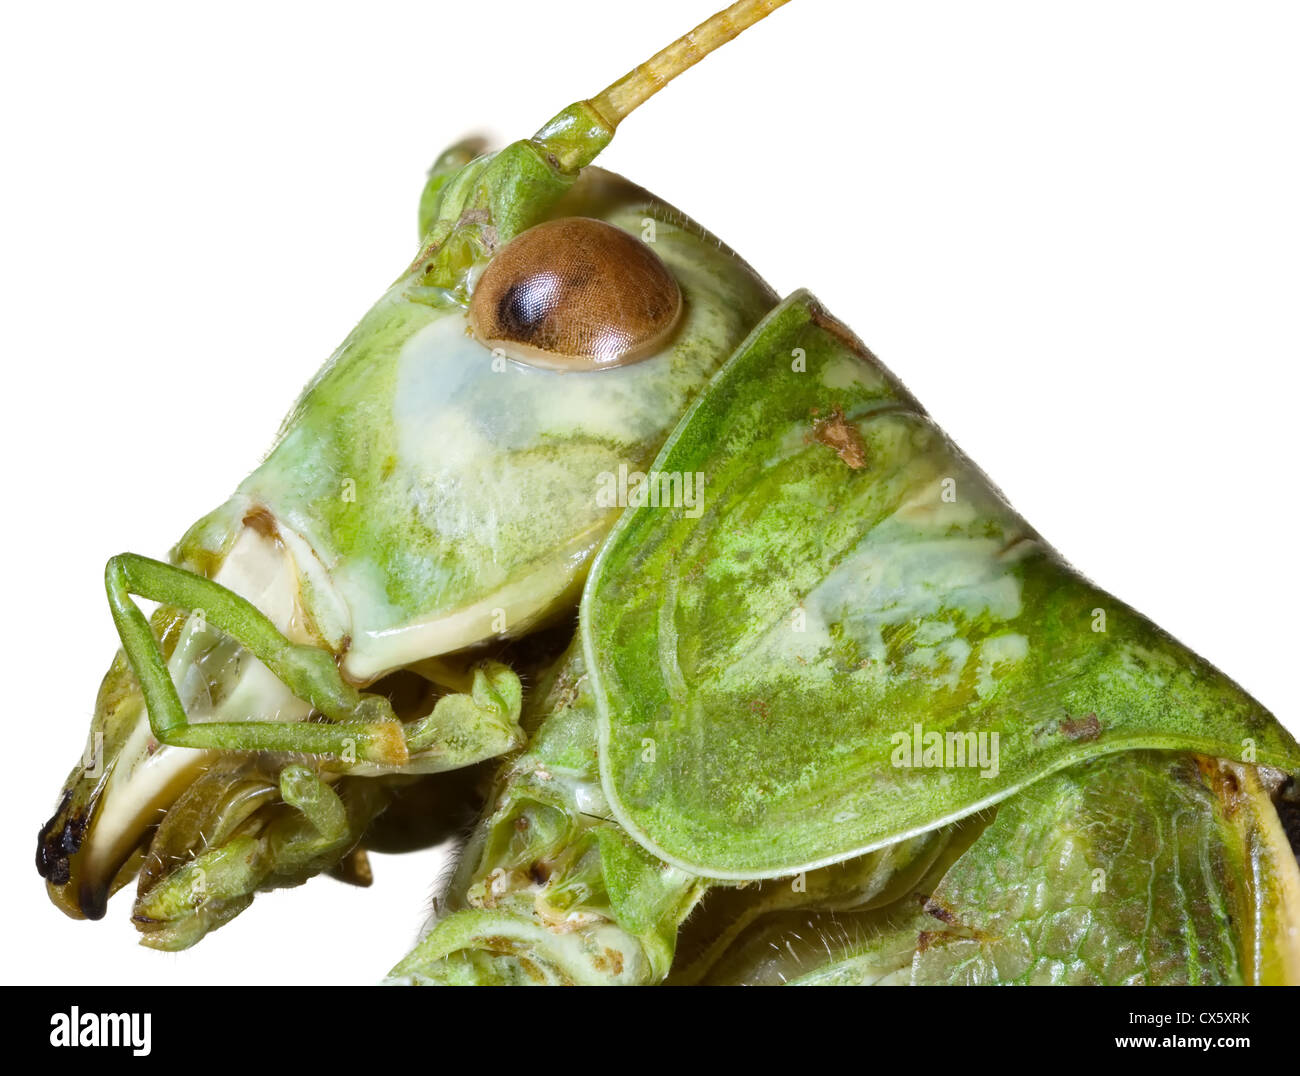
pixel 458 461
pixel 443 482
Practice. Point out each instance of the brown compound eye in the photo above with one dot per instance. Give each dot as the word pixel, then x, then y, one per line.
pixel 575 294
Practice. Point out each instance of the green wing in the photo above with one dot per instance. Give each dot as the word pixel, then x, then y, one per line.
pixel 851 637
pixel 1146 868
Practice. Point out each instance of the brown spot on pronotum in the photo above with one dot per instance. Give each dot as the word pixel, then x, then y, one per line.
pixel 840 434
pixel 1081 729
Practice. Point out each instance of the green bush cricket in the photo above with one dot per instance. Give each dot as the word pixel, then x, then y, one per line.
pixel 832 713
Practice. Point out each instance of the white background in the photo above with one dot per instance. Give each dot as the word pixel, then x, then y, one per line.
pixel 1071 228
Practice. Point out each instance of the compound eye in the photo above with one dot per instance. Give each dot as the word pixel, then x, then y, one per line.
pixel 575 294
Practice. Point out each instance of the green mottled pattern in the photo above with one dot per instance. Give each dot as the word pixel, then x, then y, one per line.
pixel 853 576
pixel 1118 871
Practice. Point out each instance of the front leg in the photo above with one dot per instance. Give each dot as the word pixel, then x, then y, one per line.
pixel 361 726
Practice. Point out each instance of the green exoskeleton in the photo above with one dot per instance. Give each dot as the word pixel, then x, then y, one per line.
pixel 829 710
